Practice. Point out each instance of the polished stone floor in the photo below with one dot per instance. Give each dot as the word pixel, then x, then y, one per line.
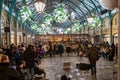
pixel 54 68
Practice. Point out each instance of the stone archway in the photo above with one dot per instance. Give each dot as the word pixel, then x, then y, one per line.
pixel 3 26
pixel 19 34
pixel 13 31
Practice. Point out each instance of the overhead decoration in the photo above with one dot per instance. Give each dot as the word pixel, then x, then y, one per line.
pixel 48 20
pixel 44 30
pixel 34 26
pixel 98 22
pixel 94 22
pixel 68 30
pixel 76 27
pixel 109 4
pixel 72 16
pixel 61 14
pixel 25 13
pixel 40 5
pixel 90 19
pixel 40 30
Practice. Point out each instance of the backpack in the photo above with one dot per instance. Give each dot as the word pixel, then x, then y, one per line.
pixel 96 57
pixel 93 55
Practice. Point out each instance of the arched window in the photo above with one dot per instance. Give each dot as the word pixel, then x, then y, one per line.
pixel 2 24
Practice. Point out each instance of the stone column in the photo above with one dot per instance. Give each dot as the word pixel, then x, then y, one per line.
pixel 88 30
pixel 110 20
pixel 101 36
pixel 111 38
pixel 0 32
pixel 16 32
pixel 1 3
pixel 10 26
pixel 94 34
pixel 26 37
pixel 118 74
pixel 24 34
pixel 21 36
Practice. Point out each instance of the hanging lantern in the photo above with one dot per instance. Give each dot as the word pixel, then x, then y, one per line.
pixel 109 4
pixel 40 5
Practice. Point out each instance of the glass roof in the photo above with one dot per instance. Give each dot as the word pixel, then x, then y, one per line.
pixel 81 8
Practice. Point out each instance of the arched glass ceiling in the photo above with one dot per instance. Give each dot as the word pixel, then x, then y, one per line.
pixel 81 8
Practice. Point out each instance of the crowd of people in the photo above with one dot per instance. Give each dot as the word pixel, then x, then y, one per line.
pixel 24 62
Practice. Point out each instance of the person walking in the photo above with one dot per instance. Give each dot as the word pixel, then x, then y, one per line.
pixel 60 49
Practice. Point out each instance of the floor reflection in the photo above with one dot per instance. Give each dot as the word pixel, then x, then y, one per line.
pixel 54 68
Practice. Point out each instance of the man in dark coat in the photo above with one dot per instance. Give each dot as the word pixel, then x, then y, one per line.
pixel 93 57
pixel 29 57
pixel 68 48
pixel 60 49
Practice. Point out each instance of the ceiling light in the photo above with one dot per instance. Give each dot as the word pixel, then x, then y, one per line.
pixel 40 5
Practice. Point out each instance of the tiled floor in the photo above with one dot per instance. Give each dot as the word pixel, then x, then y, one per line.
pixel 54 68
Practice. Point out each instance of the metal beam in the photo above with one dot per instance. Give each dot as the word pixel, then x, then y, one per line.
pixel 36 14
pixel 88 5
pixel 94 5
pixel 16 14
pixel 40 18
pixel 76 6
pixel 83 9
pixel 100 19
pixel 84 15
pixel 1 4
pixel 85 5
pixel 97 1
pixel 11 7
pixel 75 11
pixel 16 27
pixel 110 19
